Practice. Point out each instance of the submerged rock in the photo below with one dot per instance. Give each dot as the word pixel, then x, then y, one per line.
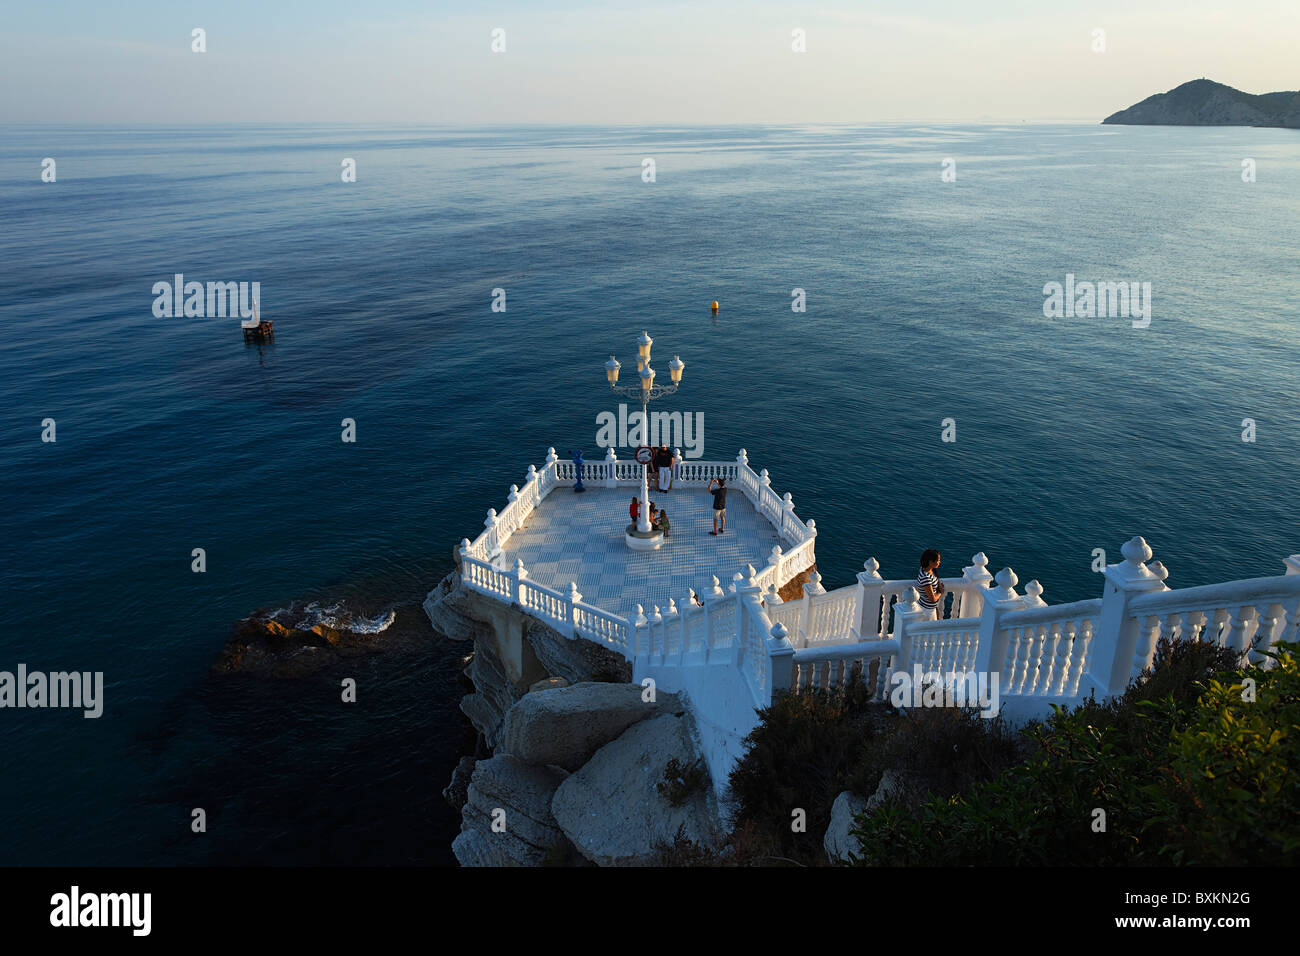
pixel 612 809
pixel 565 726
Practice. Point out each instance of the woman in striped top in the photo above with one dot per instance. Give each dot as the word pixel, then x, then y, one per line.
pixel 928 585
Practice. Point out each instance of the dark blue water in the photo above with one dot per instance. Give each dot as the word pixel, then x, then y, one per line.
pixel 924 302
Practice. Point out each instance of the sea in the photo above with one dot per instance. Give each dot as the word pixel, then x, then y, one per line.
pixel 921 397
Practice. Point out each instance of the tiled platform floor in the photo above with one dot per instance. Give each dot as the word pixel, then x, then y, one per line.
pixel 579 537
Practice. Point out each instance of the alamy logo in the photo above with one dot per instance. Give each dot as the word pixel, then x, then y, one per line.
pixel 75 908
pixel 194 300
pixel 936 689
pixel 1098 299
pixel 84 690
pixel 629 429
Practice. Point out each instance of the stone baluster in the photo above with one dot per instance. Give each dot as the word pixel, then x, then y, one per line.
pixel 1115 640
pixel 1266 622
pixel 787 519
pixel 1150 630
pixel 1080 658
pixel 1235 630
pixel 1290 632
pixel 1062 643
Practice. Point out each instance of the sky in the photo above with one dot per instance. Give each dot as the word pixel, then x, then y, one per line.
pixel 652 63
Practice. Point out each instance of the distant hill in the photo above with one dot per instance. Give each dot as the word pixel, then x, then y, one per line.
pixel 1206 103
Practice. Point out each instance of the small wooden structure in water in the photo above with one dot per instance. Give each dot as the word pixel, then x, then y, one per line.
pixel 257 329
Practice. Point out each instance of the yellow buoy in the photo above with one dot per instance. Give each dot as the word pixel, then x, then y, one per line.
pixel 715 307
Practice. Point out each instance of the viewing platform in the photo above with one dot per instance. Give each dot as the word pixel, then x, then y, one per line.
pixel 703 615
pixel 579 538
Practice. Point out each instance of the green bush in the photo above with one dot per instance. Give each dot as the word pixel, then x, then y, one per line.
pixel 1185 770
pixel 681 782
pixel 804 751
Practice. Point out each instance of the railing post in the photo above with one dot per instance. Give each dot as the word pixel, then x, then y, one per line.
pixel 1292 564
pixel 871 588
pixel 748 598
pixel 611 466
pixel 639 646
pixel 574 600
pixel 780 661
pixel 977 577
pixel 774 560
pixel 812 587
pixel 1117 630
pixel 999 601
pixel 677 461
pixel 1033 595
pixel 493 545
pixel 520 574
pixel 787 513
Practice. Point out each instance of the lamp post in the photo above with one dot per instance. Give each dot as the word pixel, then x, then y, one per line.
pixel 645 390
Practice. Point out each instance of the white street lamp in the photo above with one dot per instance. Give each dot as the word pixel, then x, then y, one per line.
pixel 646 391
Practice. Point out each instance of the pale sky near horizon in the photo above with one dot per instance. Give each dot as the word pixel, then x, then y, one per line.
pixel 400 61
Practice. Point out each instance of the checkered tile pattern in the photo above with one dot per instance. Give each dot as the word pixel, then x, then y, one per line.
pixel 579 537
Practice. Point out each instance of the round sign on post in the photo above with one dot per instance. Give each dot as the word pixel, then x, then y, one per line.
pixel 644 454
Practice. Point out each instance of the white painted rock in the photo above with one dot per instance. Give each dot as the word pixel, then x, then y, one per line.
pixel 524 793
pixel 838 843
pixel 611 808
pixel 565 726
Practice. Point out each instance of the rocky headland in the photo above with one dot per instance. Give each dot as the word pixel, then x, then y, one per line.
pixel 1206 103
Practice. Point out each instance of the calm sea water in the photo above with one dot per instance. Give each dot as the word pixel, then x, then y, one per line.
pixel 924 302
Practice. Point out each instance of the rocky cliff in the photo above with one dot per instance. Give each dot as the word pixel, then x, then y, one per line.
pixel 1206 103
pixel 580 755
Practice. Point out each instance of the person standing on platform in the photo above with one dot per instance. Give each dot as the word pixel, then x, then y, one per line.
pixel 719 505
pixel 928 585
